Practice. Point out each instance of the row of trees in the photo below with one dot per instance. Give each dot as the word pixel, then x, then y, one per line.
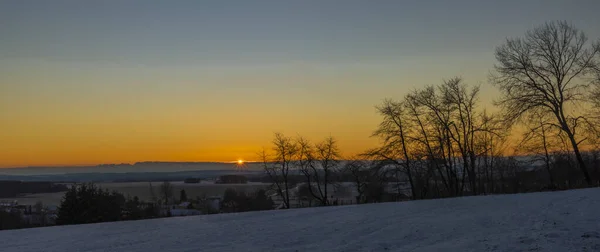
pixel 239 201
pixel 87 203
pixel 11 220
pixel 316 162
pixel 442 142
pixel 435 135
pixel 12 188
pixel 166 192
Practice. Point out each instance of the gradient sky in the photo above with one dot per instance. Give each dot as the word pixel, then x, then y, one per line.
pixel 85 82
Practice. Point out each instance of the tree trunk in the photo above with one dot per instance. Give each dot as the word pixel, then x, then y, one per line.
pixel 547 157
pixel 580 160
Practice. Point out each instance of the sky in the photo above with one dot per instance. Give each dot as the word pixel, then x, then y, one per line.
pixel 85 82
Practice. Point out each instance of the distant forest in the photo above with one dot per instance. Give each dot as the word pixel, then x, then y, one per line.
pixel 14 188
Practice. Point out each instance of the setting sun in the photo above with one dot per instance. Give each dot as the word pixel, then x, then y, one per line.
pixel 240 162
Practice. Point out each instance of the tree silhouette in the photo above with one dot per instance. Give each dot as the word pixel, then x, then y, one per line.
pixel 538 142
pixel 280 163
pixel 238 201
pixel 166 191
pixel 86 203
pixel 182 196
pixel 318 163
pixel 547 71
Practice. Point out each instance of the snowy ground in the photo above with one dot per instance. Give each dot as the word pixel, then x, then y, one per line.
pixel 553 221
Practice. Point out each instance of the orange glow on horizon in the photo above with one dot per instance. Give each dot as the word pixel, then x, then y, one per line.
pixel 140 118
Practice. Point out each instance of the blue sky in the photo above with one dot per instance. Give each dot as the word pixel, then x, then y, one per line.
pixel 168 33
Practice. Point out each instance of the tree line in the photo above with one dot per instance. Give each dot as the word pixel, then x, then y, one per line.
pixel 12 188
pixel 88 203
pixel 542 133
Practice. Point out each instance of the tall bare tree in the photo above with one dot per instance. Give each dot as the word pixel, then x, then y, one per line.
pixel 451 109
pixel 595 94
pixel 439 120
pixel 319 164
pixel 393 130
pixel 430 135
pixel 595 98
pixel 547 71
pixel 279 164
pixel 464 125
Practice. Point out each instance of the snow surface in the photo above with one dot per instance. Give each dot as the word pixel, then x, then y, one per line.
pixel 551 221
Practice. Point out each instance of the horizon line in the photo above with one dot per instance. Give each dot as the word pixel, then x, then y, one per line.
pixel 158 162
pixel 125 163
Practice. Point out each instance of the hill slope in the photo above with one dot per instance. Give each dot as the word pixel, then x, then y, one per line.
pixel 553 221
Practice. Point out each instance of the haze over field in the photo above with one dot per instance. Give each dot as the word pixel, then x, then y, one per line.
pixel 122 82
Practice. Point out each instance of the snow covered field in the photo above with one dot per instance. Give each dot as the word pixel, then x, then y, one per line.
pixel 552 221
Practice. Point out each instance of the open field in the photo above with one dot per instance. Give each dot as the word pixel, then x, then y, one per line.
pixel 549 221
pixel 142 191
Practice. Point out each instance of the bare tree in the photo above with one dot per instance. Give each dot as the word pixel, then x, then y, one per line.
pixel 440 145
pixel 306 164
pixel 463 125
pixel 166 191
pixel 393 130
pixel 318 164
pixel 546 72
pixel 453 119
pixel 538 141
pixel 595 94
pixel 490 145
pixel 152 194
pixel 430 136
pixel 440 139
pixel 42 212
pixel 328 156
pixel 595 98
pixel 280 163
pixel 358 170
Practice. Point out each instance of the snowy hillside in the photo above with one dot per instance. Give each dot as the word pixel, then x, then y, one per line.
pixel 553 221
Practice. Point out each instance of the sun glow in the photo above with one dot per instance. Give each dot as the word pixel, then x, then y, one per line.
pixel 240 162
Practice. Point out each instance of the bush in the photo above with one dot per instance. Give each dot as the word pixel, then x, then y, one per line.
pixel 86 203
pixel 232 179
pixel 14 188
pixel 234 201
pixel 11 220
